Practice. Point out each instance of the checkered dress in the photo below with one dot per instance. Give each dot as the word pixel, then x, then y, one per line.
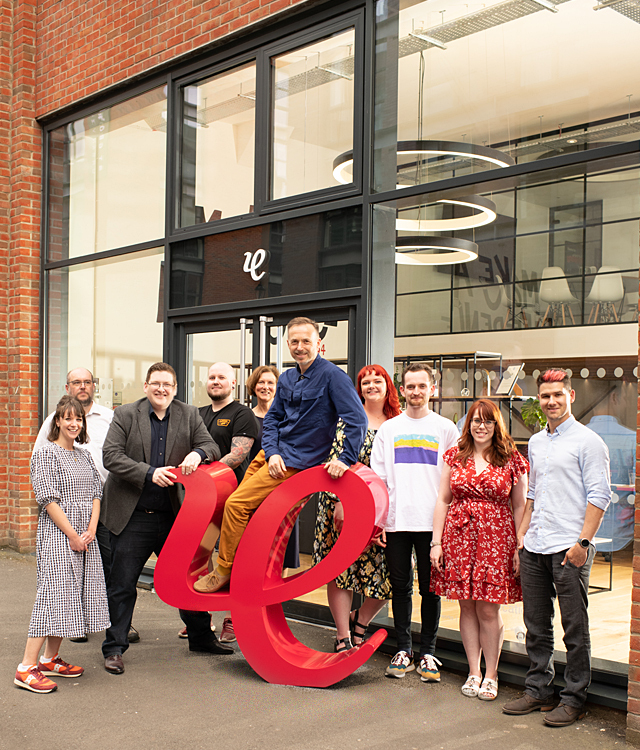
pixel 71 598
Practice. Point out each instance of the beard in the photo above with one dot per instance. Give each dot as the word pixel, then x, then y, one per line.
pixel 219 396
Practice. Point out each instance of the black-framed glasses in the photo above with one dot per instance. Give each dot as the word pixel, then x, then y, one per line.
pixel 476 422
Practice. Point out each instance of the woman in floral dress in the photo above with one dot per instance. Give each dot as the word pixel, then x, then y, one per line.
pixel 474 549
pixel 71 599
pixel 368 575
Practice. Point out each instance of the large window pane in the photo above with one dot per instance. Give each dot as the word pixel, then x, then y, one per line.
pixel 107 317
pixel 107 178
pixel 218 142
pixel 505 76
pixel 313 96
pixel 306 254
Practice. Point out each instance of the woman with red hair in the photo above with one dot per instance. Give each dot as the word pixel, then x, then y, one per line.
pixel 474 554
pixel 368 575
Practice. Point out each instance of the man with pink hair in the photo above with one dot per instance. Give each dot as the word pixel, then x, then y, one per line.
pixel 569 491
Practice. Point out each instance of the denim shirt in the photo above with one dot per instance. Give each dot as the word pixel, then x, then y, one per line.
pixel 301 423
pixel 569 468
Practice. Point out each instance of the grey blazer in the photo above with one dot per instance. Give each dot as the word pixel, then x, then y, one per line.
pixel 126 452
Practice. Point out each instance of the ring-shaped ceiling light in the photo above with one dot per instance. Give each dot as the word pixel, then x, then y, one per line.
pixel 343 163
pixel 484 212
pixel 434 251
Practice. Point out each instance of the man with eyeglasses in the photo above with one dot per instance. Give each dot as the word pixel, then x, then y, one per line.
pixel 569 491
pixel 81 385
pixel 407 456
pixel 147 440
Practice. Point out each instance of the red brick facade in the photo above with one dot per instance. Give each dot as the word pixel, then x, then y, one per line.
pixel 84 47
pixel 20 178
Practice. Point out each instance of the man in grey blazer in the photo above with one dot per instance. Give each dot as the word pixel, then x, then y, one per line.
pixel 146 441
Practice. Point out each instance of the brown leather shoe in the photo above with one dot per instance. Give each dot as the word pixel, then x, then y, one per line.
pixel 211 582
pixel 527 704
pixel 113 664
pixel 564 716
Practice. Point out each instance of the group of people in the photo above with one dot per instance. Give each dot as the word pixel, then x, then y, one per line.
pixel 483 525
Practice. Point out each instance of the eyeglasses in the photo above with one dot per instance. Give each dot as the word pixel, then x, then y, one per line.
pixel 161 386
pixel 78 383
pixel 476 422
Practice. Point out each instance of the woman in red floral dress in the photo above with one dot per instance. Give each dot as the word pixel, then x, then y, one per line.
pixel 474 549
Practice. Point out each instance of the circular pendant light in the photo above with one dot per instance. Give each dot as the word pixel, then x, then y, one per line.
pixel 434 251
pixel 343 164
pixel 483 211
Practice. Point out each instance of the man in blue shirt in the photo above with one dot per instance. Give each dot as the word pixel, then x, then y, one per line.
pixel 569 491
pixel 297 434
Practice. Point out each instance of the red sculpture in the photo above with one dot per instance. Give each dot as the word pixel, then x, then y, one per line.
pixel 257 588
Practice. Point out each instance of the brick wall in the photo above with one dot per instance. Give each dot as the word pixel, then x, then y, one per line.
pixel 85 46
pixel 20 174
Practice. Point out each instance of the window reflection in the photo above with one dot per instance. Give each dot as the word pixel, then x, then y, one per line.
pixel 313 99
pixel 306 254
pixel 218 143
pixel 106 316
pixel 107 178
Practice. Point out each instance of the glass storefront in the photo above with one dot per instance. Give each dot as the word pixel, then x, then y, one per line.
pixel 448 185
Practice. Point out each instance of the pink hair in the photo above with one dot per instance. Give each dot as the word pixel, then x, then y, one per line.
pixel 556 375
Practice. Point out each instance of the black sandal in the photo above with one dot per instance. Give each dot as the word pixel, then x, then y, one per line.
pixel 345 643
pixel 353 624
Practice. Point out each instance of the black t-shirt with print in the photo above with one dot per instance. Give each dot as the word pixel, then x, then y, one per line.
pixel 233 420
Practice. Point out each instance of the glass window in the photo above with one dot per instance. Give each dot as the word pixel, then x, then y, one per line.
pixel 313 115
pixel 107 178
pixel 306 254
pixel 218 144
pixel 468 85
pixel 105 316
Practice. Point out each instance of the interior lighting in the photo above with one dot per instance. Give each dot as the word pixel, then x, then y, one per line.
pixel 343 164
pixel 484 212
pixel 434 251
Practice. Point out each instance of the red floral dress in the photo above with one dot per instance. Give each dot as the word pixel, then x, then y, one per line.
pixel 479 537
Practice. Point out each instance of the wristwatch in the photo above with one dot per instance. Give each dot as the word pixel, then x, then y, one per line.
pixel 584 542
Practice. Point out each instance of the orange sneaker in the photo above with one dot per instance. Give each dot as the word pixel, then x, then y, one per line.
pixel 34 680
pixel 59 668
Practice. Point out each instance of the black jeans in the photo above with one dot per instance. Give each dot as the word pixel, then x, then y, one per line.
pixel 144 534
pixel 104 545
pixel 543 578
pixel 398 553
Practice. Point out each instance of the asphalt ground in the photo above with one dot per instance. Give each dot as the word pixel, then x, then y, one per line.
pixel 171 698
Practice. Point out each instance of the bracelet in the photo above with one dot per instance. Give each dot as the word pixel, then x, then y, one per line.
pixel 436 544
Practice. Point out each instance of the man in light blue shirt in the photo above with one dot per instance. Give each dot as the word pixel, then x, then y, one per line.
pixel 569 491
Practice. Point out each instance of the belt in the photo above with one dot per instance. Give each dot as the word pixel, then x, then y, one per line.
pixel 150 512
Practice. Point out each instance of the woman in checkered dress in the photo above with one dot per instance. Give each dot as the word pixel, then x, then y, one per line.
pixel 71 598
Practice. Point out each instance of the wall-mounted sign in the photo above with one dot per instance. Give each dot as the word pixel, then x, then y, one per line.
pixel 253 262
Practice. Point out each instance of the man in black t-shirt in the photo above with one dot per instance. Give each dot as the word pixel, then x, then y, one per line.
pixel 231 424
pixel 234 428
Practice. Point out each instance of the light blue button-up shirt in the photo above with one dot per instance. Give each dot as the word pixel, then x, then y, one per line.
pixel 569 468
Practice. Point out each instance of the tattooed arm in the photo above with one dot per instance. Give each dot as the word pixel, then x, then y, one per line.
pixel 240 447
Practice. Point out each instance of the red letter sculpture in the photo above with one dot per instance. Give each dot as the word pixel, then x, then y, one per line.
pixel 257 588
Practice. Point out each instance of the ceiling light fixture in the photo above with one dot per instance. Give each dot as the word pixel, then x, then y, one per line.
pixel 434 251
pixel 484 212
pixel 343 164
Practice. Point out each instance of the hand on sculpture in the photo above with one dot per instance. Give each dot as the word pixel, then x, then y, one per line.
pixel 163 477
pixel 335 468
pixel 190 463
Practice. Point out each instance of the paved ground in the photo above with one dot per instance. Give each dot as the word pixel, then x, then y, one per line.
pixel 169 698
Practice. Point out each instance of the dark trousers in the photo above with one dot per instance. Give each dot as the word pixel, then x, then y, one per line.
pixel 144 534
pixel 104 545
pixel 398 553
pixel 543 579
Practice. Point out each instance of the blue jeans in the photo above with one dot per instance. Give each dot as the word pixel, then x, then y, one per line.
pixel 543 578
pixel 144 534
pixel 400 544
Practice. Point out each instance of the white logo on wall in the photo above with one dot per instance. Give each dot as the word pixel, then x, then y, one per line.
pixel 253 262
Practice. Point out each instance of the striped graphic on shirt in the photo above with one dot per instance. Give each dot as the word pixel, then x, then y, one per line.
pixel 415 449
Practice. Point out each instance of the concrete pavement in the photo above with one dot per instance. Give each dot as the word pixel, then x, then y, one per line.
pixel 170 698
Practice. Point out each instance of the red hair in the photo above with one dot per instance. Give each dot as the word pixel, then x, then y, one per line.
pixel 556 375
pixel 502 446
pixel 391 406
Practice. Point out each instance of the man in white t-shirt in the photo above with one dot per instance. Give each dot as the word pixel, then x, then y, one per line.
pixel 407 456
